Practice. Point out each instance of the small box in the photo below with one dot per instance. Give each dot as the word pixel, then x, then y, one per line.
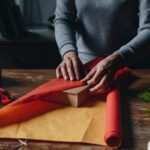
pixel 74 97
pixel 77 96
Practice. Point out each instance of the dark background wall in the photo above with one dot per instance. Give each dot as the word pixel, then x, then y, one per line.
pixel 37 48
pixel 37 11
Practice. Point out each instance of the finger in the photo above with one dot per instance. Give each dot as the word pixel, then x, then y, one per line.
pixel 64 71
pixel 104 90
pixel 58 72
pixel 101 91
pixel 89 75
pixel 98 93
pixel 85 71
pixel 101 85
pixel 70 69
pixel 76 68
pixel 96 78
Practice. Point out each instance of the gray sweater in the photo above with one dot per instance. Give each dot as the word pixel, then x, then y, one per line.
pixel 99 27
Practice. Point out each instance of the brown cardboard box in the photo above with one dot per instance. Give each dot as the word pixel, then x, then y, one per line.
pixel 74 97
pixel 77 96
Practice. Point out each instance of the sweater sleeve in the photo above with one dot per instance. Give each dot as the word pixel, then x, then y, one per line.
pixel 65 23
pixel 139 45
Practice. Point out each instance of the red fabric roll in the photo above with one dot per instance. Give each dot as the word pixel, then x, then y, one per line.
pixel 113 131
pixel 113 135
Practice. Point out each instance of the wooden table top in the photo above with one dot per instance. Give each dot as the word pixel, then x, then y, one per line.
pixel 135 121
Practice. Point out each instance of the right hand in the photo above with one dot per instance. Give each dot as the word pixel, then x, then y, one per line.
pixel 71 67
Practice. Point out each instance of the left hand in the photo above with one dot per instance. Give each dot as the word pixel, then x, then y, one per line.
pixel 101 76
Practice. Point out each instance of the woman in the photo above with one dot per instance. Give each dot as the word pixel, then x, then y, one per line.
pixel 118 30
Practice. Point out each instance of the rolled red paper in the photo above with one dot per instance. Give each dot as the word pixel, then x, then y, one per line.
pixel 22 112
pixel 113 130
pixel 113 135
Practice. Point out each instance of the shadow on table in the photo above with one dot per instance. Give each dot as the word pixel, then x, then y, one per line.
pixel 9 82
pixel 126 122
pixel 126 119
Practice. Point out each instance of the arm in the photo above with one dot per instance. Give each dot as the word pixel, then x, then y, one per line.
pixel 102 74
pixel 140 45
pixel 65 23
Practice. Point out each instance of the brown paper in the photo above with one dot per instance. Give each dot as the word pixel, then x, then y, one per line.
pixel 85 125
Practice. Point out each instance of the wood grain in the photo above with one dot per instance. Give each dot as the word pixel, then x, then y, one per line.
pixel 135 122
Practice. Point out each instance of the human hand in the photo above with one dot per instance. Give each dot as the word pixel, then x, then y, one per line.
pixel 71 67
pixel 101 76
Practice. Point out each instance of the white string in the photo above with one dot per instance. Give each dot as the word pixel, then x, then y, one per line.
pixel 23 143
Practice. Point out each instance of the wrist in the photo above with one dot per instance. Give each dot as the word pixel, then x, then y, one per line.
pixel 117 56
pixel 118 60
pixel 70 54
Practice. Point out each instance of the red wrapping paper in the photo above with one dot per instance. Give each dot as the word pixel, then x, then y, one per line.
pixel 36 102
pixel 113 131
pixel 113 135
pixel 41 100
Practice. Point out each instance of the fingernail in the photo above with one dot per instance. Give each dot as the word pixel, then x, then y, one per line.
pixel 91 90
pixel 88 82
pixel 71 78
pixel 65 78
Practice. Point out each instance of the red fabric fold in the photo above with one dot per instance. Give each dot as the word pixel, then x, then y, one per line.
pixel 47 91
pixel 36 102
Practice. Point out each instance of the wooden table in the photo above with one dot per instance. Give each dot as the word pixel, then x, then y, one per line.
pixel 136 123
